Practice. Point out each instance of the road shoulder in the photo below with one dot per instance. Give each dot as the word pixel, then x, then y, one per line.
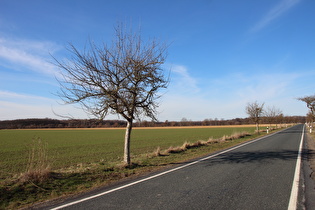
pixel 308 172
pixel 311 154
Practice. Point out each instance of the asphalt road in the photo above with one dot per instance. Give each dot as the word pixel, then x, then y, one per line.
pixel 258 175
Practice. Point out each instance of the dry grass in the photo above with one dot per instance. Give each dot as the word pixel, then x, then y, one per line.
pixel 38 168
pixel 199 143
pixel 174 150
pixel 238 135
pixel 185 146
pixel 157 152
pixel 211 140
pixel 36 176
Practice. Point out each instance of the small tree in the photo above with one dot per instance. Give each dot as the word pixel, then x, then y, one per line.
pixel 272 114
pixel 310 103
pixel 255 110
pixel 122 79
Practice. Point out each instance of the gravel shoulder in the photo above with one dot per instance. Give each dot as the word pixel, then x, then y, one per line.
pixel 311 154
pixel 308 188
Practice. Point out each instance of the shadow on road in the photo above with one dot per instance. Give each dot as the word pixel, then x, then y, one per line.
pixel 259 156
pixel 290 131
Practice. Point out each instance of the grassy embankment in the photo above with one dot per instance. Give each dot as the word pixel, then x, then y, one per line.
pixel 43 164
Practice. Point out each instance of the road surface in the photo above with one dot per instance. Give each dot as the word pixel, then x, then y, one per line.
pixel 256 175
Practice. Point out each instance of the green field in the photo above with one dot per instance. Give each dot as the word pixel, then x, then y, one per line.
pixel 71 147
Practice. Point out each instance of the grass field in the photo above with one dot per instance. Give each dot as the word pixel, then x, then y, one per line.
pixel 68 147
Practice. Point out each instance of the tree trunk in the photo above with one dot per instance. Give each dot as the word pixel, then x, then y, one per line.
pixel 257 127
pixel 127 143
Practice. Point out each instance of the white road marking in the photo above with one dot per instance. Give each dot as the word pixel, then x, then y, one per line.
pixel 160 174
pixel 296 179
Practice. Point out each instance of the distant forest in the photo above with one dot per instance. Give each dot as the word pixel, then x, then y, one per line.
pixel 94 123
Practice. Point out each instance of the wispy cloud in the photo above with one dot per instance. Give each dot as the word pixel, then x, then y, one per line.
pixel 24 105
pixel 182 80
pixel 22 110
pixel 15 105
pixel 25 98
pixel 27 55
pixel 251 87
pixel 274 13
pixel 226 97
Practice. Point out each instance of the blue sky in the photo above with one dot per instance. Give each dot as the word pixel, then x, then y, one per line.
pixel 223 53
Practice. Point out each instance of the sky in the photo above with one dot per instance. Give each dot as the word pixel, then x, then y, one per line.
pixel 222 54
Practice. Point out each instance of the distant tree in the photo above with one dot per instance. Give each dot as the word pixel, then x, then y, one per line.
pixel 122 79
pixel 215 121
pixel 279 119
pixel 184 121
pixel 206 122
pixel 310 103
pixel 272 114
pixel 255 111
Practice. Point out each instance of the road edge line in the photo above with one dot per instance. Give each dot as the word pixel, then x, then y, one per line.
pixel 296 180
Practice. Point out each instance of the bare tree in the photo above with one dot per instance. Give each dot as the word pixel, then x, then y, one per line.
pixel 310 103
pixel 124 78
pixel 255 110
pixel 272 114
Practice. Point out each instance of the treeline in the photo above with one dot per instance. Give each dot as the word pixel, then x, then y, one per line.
pixel 54 123
pixel 94 123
